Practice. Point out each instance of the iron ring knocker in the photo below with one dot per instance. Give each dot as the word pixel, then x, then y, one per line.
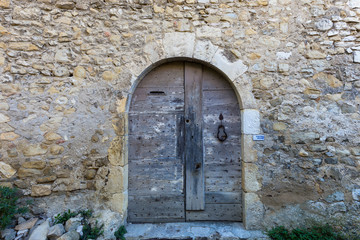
pixel 221 134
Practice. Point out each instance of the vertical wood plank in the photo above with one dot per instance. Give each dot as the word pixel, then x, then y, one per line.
pixel 222 163
pixel 195 194
pixel 156 165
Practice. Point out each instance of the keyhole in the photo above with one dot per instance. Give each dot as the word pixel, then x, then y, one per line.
pixel 187 121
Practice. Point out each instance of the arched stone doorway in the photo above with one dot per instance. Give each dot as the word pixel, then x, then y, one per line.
pixel 184 146
pixel 184 46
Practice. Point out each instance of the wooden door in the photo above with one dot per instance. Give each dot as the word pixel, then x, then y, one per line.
pixel 178 169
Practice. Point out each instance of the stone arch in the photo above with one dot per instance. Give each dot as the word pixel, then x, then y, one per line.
pixel 184 46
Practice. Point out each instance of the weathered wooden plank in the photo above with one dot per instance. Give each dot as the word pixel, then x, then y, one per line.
pixel 158 99
pixel 214 80
pixel 160 169
pixel 227 153
pixel 156 207
pixel 150 123
pixel 225 103
pixel 212 120
pixel 156 182
pixel 150 186
pixel 152 146
pixel 223 184
pixel 161 90
pixel 232 129
pixel 195 196
pixel 223 97
pixel 223 197
pixel 161 176
pixel 219 170
pixel 218 184
pixel 216 212
pixel 181 139
pixel 166 75
pixel 222 160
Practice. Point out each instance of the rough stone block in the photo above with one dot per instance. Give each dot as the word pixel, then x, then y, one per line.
pixel 65 4
pixel 62 56
pixel 109 75
pixel 3 105
pixel 46 179
pixel 56 231
pixel 51 136
pixel 72 223
pixel 8 234
pixel 337 207
pixel 4 3
pixel 9 136
pixel 316 207
pixel 34 150
pixel 303 153
pixel 356 56
pixel 354 3
pixel 270 42
pixel 40 190
pixel 121 105
pixel 22 46
pixel 26 225
pixel 356 194
pixel 315 54
pixel 24 172
pixel 250 154
pixel 229 64
pixel 317 148
pixel 40 232
pixel 90 174
pixel 324 24
pixel 153 51
pixel 4 118
pixel 279 126
pixel 117 179
pixel 284 68
pixel 79 72
pixel 72 235
pixel 303 137
pixel 335 197
pixel 250 177
pixel 208 32
pixel 120 124
pixel 34 164
pixel 253 211
pixel 244 91
pixel 204 50
pixel 119 202
pixel 178 44
pixel 7 170
pixel 56 149
pixel 118 151
pixel 250 121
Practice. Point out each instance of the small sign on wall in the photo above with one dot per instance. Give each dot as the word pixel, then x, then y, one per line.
pixel 258 137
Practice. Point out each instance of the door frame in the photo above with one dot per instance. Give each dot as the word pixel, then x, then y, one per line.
pixel 253 209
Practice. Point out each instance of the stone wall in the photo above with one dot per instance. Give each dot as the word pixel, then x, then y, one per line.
pixel 68 68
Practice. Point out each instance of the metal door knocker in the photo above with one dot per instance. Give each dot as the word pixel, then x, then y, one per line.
pixel 221 134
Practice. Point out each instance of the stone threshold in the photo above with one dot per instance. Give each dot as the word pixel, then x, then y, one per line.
pixel 191 231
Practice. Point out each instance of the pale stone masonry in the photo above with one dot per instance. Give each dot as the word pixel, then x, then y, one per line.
pixel 68 70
